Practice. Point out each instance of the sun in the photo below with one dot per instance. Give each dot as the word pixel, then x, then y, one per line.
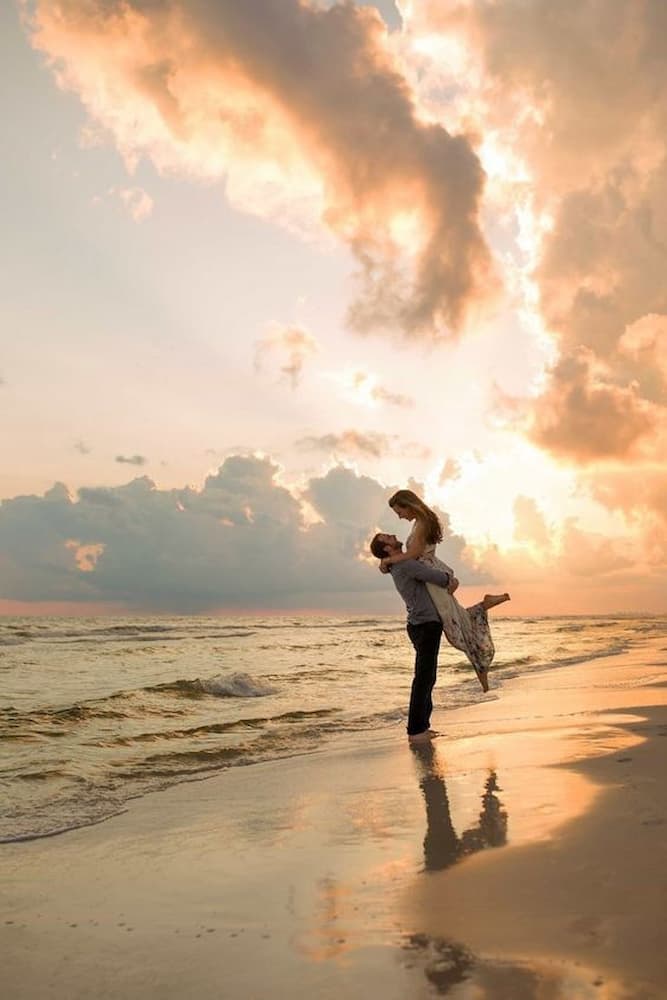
pixel 480 500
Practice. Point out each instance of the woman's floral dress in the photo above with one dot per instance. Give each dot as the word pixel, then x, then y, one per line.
pixel 466 629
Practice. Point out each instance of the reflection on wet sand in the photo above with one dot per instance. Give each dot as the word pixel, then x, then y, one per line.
pixel 443 847
pixel 449 966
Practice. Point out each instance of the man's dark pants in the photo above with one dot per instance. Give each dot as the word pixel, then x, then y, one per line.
pixel 426 640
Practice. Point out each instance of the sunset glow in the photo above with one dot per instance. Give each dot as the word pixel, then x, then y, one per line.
pixel 267 263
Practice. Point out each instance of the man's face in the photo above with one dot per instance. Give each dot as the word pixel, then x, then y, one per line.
pixel 391 543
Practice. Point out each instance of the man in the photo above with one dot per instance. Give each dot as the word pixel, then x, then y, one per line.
pixel 424 628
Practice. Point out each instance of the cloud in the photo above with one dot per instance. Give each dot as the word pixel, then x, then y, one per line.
pixel 86 556
pixel 644 346
pixel 584 416
pixel 574 91
pixel 389 11
pixel 131 459
pixel 293 344
pixel 369 384
pixel 645 491
pixel 358 506
pixel 137 201
pixel 587 554
pixel 564 569
pixel 640 495
pixel 217 90
pixel 370 444
pixel 450 470
pixel 529 523
pixel 242 539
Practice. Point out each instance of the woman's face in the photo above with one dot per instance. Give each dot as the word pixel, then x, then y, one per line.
pixel 405 513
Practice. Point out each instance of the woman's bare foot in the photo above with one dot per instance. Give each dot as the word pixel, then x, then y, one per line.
pixel 490 600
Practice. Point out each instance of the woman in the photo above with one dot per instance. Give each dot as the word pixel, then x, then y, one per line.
pixel 466 629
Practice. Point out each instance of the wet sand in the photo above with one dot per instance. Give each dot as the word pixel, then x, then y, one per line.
pixel 522 855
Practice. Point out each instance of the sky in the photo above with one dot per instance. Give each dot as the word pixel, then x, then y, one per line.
pixel 265 263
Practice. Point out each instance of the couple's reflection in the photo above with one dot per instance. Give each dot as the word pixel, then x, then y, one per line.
pixel 442 846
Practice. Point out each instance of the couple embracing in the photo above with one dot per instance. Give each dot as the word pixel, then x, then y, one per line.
pixel 427 586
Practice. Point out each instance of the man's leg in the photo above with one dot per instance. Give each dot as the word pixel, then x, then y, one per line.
pixel 426 641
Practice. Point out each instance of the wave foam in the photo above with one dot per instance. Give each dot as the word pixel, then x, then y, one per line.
pixel 238 685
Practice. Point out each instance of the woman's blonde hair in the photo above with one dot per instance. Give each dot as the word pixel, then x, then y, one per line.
pixel 427 517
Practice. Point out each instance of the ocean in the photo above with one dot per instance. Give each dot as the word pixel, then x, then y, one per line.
pixel 97 711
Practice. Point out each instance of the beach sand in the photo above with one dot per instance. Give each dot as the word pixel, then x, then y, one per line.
pixel 522 855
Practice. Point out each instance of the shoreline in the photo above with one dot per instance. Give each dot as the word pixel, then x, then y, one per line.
pixel 508 857
pixel 52 792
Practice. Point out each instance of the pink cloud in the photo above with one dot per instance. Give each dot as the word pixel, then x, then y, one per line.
pixel 301 109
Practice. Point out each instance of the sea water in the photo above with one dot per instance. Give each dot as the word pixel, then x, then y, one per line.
pixel 97 711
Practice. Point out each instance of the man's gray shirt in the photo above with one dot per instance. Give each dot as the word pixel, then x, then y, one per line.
pixel 410 578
